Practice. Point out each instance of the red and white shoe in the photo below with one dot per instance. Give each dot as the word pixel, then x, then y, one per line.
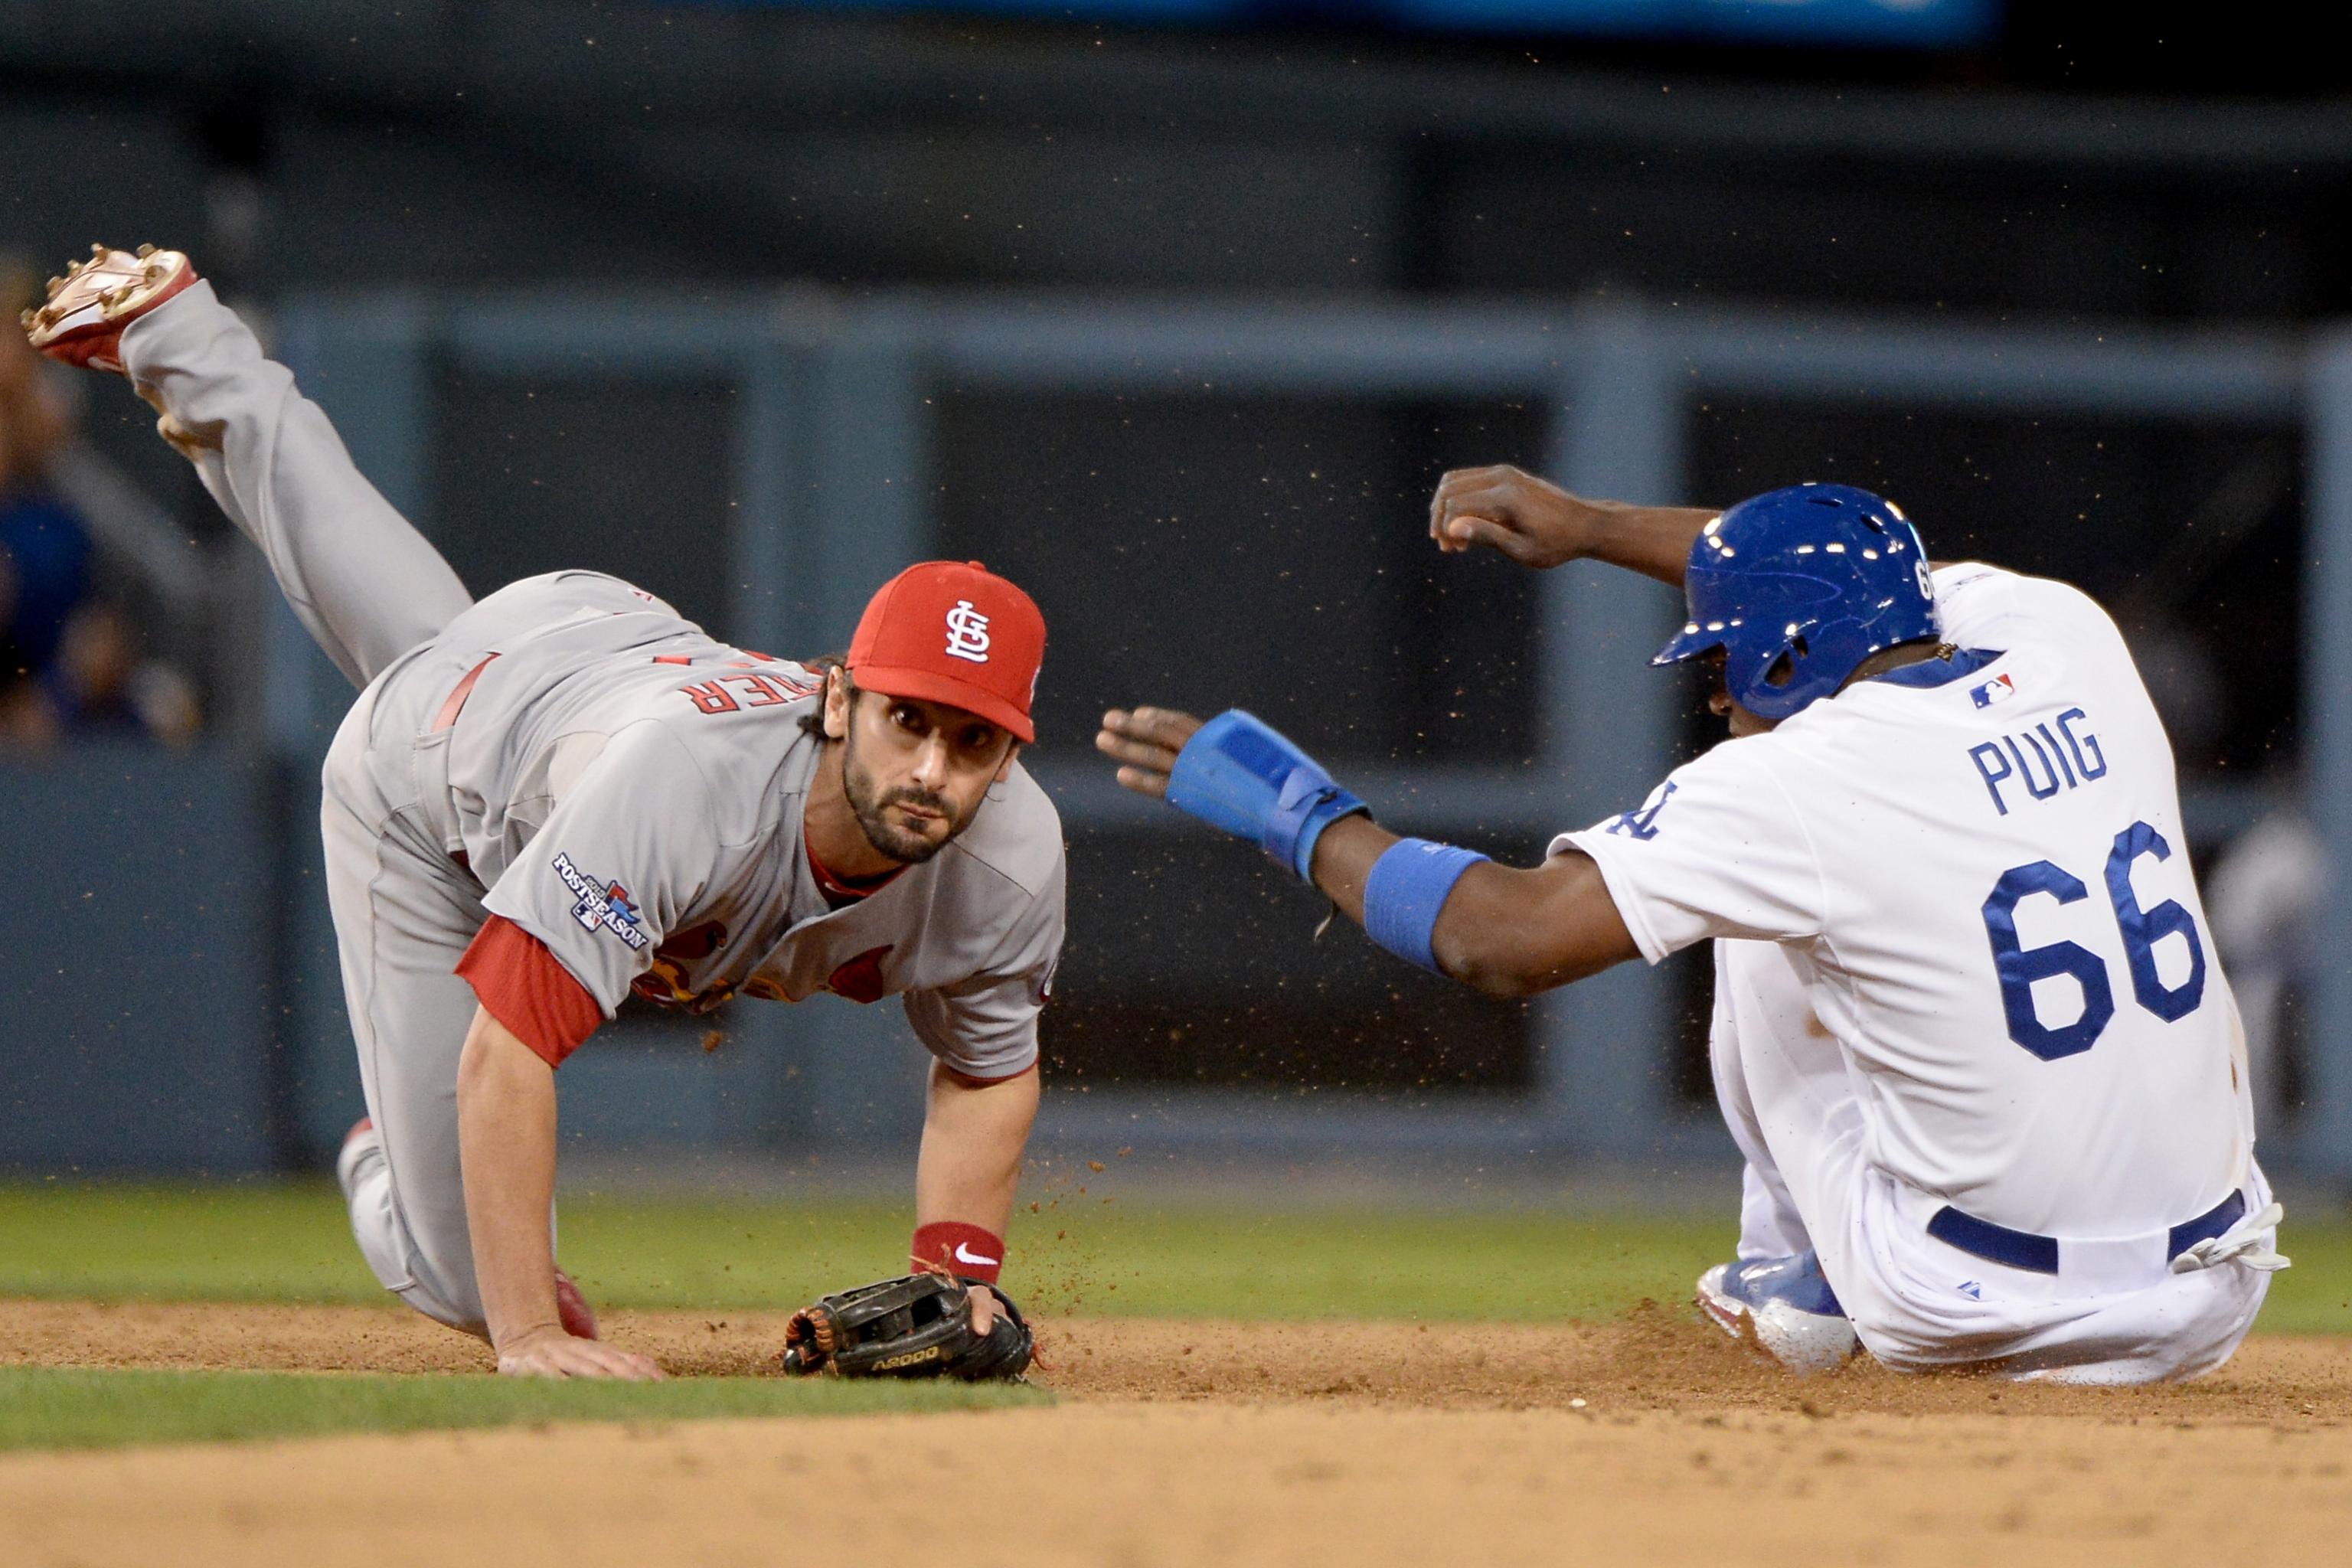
pixel 82 321
pixel 571 1309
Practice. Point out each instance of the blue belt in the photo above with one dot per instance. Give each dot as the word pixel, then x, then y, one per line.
pixel 2039 1254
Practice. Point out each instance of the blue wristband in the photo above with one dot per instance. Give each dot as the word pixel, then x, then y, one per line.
pixel 1309 802
pixel 1242 776
pixel 1408 886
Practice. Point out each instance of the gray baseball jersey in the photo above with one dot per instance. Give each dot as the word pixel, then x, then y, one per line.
pixel 630 791
pixel 627 790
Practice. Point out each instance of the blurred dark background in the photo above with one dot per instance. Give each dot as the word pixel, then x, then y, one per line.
pixel 1936 160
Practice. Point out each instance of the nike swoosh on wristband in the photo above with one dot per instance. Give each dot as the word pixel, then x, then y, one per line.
pixel 965 1255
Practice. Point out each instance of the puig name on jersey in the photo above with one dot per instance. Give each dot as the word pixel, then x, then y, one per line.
pixel 2041 760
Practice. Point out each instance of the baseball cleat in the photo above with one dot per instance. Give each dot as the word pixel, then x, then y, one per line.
pixel 1784 1307
pixel 82 320
pixel 571 1309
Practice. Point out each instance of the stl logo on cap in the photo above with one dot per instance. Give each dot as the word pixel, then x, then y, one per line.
pixel 953 632
pixel 967 633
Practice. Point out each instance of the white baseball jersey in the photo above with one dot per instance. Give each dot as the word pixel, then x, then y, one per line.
pixel 1976 866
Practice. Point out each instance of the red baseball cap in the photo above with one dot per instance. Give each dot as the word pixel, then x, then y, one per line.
pixel 953 632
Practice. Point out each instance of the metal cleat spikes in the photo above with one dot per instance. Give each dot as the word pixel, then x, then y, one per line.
pixel 87 308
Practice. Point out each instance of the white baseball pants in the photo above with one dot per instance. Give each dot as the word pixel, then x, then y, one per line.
pixel 1917 1302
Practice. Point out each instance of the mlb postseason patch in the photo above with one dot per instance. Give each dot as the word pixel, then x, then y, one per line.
pixel 601 904
pixel 1999 690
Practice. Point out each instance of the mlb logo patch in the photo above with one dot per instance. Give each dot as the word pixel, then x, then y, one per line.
pixel 602 903
pixel 1999 688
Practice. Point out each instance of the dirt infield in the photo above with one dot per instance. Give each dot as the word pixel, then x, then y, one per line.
pixel 1650 1440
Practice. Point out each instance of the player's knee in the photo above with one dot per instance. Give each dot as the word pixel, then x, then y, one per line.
pixel 466 1316
pixel 401 1265
pixel 440 1284
pixel 447 1295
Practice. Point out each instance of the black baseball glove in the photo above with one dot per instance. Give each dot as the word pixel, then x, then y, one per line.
pixel 918 1325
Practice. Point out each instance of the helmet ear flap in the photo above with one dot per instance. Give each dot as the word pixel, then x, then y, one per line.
pixel 1783 668
pixel 1774 685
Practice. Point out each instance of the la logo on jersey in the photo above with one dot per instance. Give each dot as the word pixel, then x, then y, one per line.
pixel 601 904
pixel 1999 688
pixel 967 633
pixel 1643 823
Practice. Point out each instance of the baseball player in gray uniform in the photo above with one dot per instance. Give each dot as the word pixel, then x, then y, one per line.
pixel 567 791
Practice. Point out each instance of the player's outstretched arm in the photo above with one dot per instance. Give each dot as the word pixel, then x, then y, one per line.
pixel 974 1132
pixel 1502 930
pixel 1506 931
pixel 1539 524
pixel 506 1142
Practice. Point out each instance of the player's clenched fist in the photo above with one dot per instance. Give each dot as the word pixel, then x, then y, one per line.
pixel 1144 743
pixel 1537 523
pixel 1532 521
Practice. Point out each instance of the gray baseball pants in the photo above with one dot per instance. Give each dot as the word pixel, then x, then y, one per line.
pixel 374 594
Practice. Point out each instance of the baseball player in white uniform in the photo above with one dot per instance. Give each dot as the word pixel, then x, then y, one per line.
pixel 567 791
pixel 1969 1032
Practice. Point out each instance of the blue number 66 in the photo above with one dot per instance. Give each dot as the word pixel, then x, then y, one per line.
pixel 2019 967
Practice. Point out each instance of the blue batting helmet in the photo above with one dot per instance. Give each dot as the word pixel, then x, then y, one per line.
pixel 1821 576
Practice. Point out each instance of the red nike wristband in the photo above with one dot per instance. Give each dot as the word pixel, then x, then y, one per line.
pixel 967 1251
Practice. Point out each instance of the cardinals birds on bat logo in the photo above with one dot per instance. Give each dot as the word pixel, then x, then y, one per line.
pixel 967 633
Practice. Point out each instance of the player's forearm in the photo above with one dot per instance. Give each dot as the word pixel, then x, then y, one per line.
pixel 1502 930
pixel 974 1135
pixel 1655 541
pixel 1509 931
pixel 1343 862
pixel 1537 523
pixel 506 1140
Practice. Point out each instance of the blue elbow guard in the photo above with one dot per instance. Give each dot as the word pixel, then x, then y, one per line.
pixel 1242 776
pixel 1408 886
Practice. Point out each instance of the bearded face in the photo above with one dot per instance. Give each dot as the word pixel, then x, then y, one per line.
pixel 915 774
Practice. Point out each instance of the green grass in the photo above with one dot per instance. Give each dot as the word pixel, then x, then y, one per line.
pixel 288 1242
pixel 232 1242
pixel 44 1407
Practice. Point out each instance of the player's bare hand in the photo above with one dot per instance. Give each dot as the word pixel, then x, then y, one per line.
pixel 1144 743
pixel 1512 513
pixel 984 1308
pixel 552 1352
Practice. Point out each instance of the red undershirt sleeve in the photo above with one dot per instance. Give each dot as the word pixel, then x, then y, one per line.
pixel 520 984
